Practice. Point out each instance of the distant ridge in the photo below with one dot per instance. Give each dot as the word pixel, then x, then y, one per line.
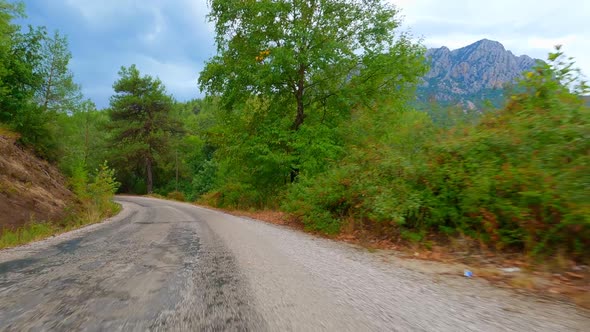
pixel 471 74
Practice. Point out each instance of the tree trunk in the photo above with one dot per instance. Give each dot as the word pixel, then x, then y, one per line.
pixel 86 139
pixel 300 111
pixel 47 93
pixel 150 181
pixel 299 98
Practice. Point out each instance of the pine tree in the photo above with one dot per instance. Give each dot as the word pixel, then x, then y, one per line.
pixel 141 123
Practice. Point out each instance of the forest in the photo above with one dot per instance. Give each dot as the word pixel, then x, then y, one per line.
pixel 317 117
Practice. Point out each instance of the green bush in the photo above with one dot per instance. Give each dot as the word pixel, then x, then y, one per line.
pixel 38 131
pixel 103 187
pixel 204 180
pixel 95 193
pixel 321 203
pixel 235 195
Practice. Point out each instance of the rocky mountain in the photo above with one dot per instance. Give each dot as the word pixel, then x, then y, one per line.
pixel 471 74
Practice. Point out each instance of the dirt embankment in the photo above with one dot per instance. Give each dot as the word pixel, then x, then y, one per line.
pixel 31 189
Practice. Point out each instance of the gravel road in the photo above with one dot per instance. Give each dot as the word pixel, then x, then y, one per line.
pixel 167 266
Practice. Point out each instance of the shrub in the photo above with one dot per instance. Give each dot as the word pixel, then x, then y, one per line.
pixel 321 202
pixel 95 194
pixel 176 195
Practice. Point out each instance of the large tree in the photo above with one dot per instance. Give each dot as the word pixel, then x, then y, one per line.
pixel 141 123
pixel 35 82
pixel 8 12
pixel 301 53
pixel 290 73
pixel 18 85
pixel 19 77
pixel 58 91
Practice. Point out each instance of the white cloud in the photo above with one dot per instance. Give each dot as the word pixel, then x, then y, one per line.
pixel 102 11
pixel 180 78
pixel 158 27
pixel 529 27
pixel 548 43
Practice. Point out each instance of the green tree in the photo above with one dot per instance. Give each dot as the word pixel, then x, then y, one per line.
pixel 8 11
pixel 20 80
pixel 141 123
pixel 19 85
pixel 192 160
pixel 288 74
pixel 83 137
pixel 58 92
pixel 307 52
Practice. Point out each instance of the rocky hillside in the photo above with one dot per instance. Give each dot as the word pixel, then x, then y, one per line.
pixel 472 73
pixel 30 189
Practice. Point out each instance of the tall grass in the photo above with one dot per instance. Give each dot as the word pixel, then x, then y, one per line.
pixel 28 233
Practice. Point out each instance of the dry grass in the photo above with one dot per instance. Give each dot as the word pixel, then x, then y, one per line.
pixel 523 282
pixel 558 262
pixel 488 273
pixel 7 133
pixel 270 216
pixel 582 299
pixel 177 196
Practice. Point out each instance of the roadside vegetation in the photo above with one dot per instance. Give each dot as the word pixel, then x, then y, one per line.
pixel 43 111
pixel 516 180
pixel 90 203
pixel 38 230
pixel 317 118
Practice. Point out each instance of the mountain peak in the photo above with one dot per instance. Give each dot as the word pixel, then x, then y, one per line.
pixel 487 43
pixel 481 46
pixel 472 70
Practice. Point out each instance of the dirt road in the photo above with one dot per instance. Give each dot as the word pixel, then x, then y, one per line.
pixel 162 265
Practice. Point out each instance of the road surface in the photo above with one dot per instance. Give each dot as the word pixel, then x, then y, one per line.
pixel 167 266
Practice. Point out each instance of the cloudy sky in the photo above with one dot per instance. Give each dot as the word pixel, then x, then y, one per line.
pixel 171 39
